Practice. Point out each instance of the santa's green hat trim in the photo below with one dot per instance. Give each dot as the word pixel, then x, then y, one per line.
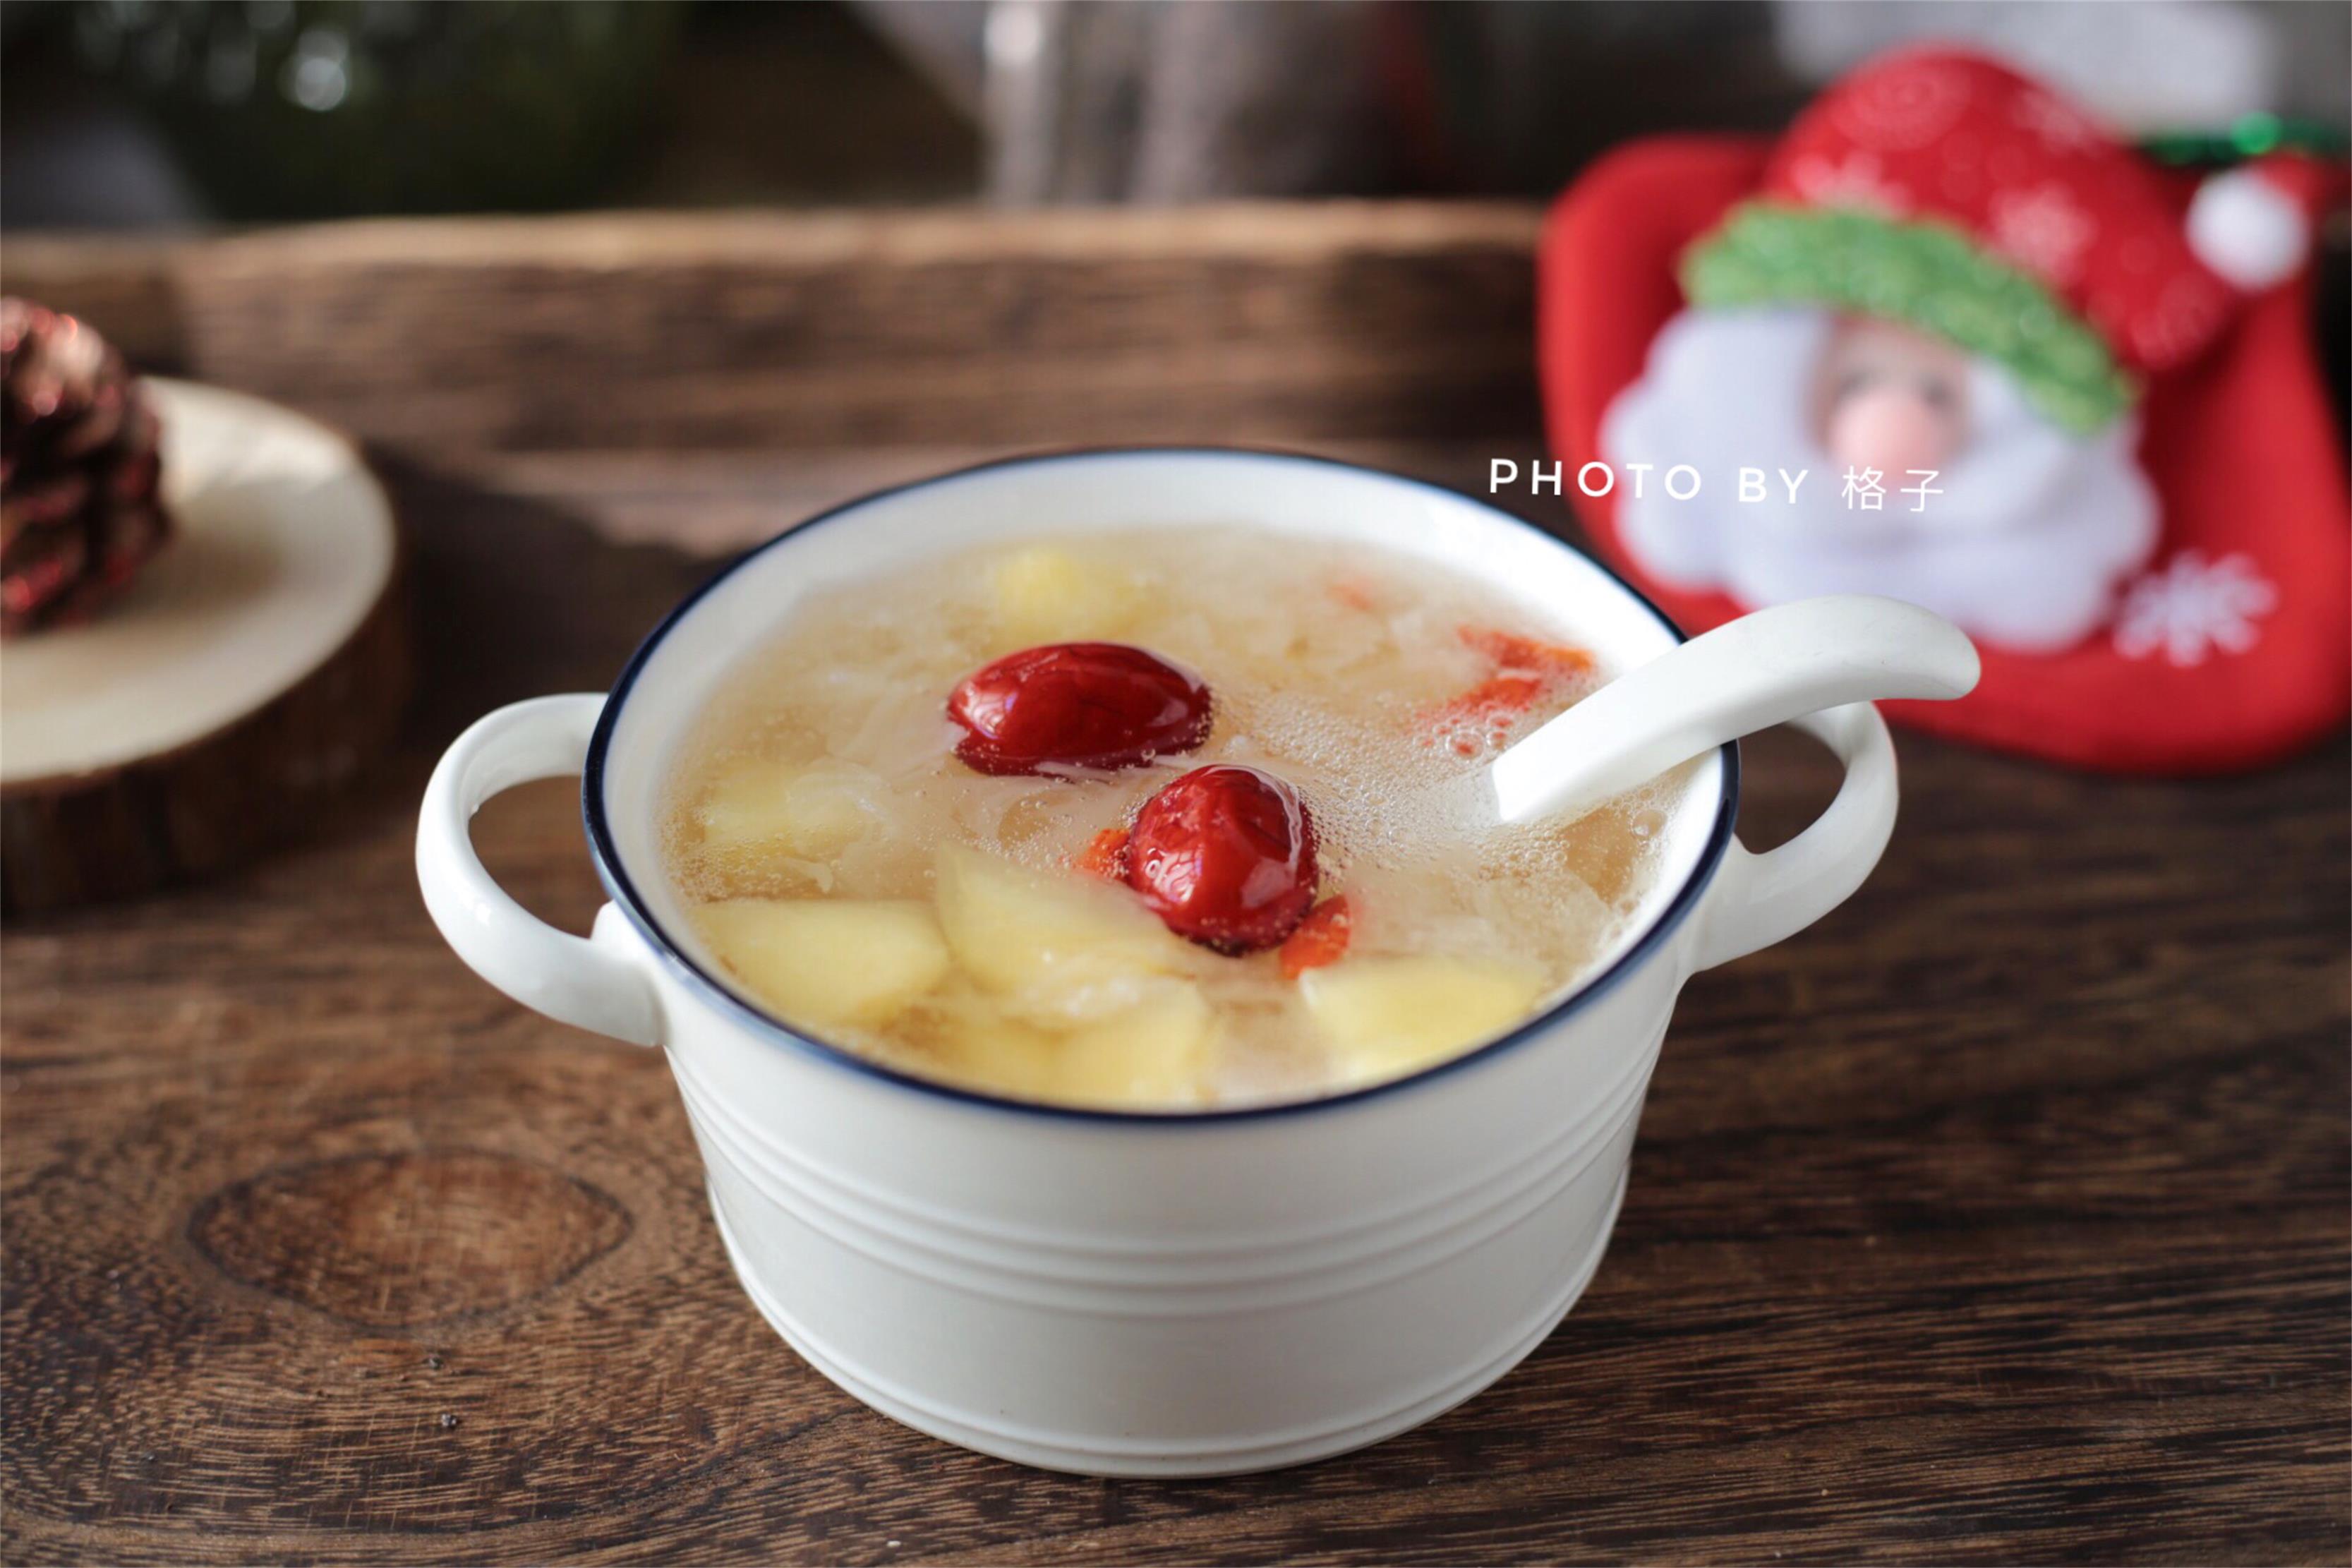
pixel 1930 275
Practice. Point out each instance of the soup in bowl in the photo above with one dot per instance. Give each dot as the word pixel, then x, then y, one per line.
pixel 942 820
pixel 1098 1053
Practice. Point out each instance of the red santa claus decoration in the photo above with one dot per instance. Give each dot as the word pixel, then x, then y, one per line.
pixel 2028 379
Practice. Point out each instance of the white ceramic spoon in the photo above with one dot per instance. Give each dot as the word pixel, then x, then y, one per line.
pixel 1762 669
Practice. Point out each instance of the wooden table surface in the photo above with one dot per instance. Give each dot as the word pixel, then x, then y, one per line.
pixel 2004 1215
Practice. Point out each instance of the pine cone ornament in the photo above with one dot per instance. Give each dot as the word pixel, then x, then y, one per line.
pixel 80 508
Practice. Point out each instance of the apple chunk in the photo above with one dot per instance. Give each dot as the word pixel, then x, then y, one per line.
pixel 1384 1017
pixel 1063 948
pixel 806 809
pixel 980 1049
pixel 1154 1055
pixel 1043 594
pixel 829 962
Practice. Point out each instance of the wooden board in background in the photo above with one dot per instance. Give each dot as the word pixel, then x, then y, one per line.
pixel 1267 325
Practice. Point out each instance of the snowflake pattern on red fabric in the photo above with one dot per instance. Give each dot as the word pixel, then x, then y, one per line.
pixel 1854 181
pixel 2042 229
pixel 2191 607
pixel 1905 111
pixel 2061 126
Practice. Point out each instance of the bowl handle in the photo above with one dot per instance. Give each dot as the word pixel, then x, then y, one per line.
pixel 1761 898
pixel 586 981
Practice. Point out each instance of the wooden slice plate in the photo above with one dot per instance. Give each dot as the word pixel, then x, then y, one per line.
pixel 255 668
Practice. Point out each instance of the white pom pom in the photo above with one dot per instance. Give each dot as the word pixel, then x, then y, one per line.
pixel 2247 229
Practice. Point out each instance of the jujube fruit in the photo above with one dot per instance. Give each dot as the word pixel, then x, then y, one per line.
pixel 1077 705
pixel 1225 857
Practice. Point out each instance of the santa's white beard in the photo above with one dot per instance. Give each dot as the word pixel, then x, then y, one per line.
pixel 2024 545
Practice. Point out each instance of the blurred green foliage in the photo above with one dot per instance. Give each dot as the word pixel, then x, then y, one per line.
pixel 324 108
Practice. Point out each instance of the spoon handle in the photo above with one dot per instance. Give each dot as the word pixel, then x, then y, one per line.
pixel 1747 675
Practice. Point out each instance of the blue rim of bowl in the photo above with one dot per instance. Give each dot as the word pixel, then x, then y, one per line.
pixel 607 857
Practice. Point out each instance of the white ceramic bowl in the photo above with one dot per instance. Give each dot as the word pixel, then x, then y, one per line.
pixel 1127 1294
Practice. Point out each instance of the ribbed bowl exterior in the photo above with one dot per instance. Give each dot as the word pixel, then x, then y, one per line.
pixel 1172 1298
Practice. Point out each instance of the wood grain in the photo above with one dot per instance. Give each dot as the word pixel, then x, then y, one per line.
pixel 256 784
pixel 2005 1215
pixel 1267 324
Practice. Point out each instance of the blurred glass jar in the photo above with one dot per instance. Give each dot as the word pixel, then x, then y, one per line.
pixel 288 108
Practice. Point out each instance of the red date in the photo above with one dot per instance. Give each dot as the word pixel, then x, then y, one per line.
pixel 1225 857
pixel 1077 705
